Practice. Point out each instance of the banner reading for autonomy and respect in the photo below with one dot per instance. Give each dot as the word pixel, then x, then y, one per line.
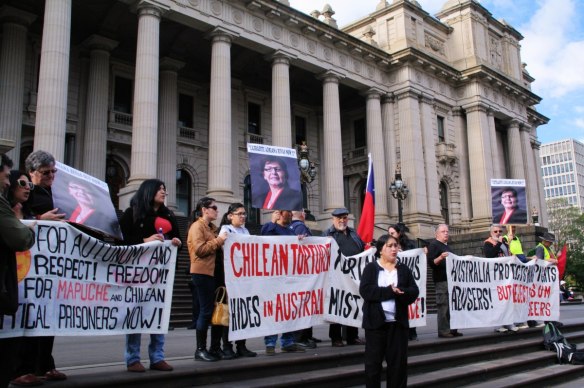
pixel 275 285
pixel 344 302
pixel 500 291
pixel 73 284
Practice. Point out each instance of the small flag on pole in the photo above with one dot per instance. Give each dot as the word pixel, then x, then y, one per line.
pixel 562 261
pixel 365 230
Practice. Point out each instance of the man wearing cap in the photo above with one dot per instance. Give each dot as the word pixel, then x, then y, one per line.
pixel 349 244
pixel 543 251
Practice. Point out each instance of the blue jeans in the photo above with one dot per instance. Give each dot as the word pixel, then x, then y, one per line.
pixel 155 349
pixel 205 287
pixel 286 339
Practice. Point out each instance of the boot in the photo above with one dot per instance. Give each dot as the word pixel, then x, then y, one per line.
pixel 201 353
pixel 243 351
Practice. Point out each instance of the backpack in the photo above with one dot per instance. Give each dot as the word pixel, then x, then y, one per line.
pixel 552 336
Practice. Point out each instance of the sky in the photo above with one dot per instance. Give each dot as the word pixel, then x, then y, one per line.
pixel 552 47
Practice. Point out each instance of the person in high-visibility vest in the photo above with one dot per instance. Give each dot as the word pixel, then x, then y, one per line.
pixel 514 243
pixel 543 250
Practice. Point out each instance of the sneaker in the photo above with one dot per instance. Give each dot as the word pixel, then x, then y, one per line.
pixel 306 344
pixel 270 350
pixel 293 348
pixel 501 330
pixel 513 328
pixel 523 326
pixel 315 339
pixel 541 324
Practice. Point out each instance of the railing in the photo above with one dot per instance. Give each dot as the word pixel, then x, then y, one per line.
pixel 187 133
pixel 254 138
pixel 121 119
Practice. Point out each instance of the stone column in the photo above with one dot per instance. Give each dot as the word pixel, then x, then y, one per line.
pixel 51 115
pixel 281 116
pixel 463 162
pixel 542 207
pixel 515 151
pixel 387 112
pixel 332 181
pixel 495 155
pixel 168 127
pixel 428 118
pixel 145 108
pixel 481 169
pixel 12 68
pixel 532 187
pixel 375 147
pixel 411 153
pixel 220 131
pixel 95 136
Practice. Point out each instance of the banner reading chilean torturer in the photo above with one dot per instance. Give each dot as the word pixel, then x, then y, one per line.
pixel 500 291
pixel 73 284
pixel 508 201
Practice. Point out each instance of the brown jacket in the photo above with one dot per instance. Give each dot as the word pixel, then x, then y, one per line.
pixel 203 244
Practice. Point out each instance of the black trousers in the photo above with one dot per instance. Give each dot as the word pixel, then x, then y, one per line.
pixel 336 333
pixel 389 343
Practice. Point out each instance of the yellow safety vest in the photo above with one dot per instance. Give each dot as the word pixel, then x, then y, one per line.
pixel 514 245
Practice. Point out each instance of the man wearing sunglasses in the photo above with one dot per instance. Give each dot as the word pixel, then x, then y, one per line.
pixel 14 237
pixel 349 244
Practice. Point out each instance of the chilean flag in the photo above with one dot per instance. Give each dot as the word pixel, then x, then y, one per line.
pixel 365 230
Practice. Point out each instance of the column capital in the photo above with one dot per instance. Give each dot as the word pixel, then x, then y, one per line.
pixel 407 92
pixel 98 42
pixel 222 34
pixel 457 111
pixel 388 98
pixel 153 8
pixel 10 14
pixel 330 76
pixel 373 93
pixel 476 107
pixel 523 127
pixel 170 64
pixel 514 123
pixel 426 98
pixel 280 56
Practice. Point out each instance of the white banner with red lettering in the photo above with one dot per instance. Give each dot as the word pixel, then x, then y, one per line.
pixel 73 284
pixel 501 291
pixel 343 301
pixel 281 284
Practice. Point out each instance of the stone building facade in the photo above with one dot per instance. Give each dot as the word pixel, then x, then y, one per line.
pixel 133 89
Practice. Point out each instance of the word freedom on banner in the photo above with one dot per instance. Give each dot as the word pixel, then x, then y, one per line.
pixel 73 284
pixel 500 291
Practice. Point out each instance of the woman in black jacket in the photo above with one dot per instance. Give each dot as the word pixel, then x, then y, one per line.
pixel 387 288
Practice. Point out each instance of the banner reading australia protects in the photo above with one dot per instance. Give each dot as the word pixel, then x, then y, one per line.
pixel 73 284
pixel 501 291
pixel 281 284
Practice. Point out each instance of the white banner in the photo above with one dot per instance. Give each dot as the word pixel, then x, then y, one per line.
pixel 344 302
pixel 73 284
pixel 501 291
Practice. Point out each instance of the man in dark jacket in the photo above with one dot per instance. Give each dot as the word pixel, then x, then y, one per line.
pixel 349 244
pixel 14 237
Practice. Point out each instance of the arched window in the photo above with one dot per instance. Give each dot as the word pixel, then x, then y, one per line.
pixel 444 202
pixel 253 214
pixel 183 192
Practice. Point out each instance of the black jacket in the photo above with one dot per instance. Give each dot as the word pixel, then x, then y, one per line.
pixel 136 233
pixel 373 295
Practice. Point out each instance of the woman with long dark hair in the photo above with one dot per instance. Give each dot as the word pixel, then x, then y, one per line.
pixel 387 288
pixel 233 221
pixel 148 219
pixel 203 243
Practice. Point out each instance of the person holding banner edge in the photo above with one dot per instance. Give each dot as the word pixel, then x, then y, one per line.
pixel 148 219
pixel 203 243
pixel 387 288
pixel 438 251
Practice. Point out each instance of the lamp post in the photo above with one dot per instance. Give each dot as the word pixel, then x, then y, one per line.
pixel 306 166
pixel 399 190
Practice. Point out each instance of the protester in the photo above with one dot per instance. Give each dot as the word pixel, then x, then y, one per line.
pixel 14 237
pixel 543 250
pixel 514 243
pixel 304 337
pixel 279 226
pixel 148 219
pixel 438 251
pixel 496 246
pixel 512 213
pixel 387 288
pixel 233 221
pixel 203 243
pixel 41 167
pixel 278 193
pixel 349 244
pixel 19 193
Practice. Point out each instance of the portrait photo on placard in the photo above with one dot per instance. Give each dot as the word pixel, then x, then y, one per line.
pixel 509 202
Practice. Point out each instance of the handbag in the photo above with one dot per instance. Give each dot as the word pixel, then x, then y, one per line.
pixel 221 311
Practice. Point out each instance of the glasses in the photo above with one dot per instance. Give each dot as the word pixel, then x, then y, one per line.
pixel 24 184
pixel 342 217
pixel 48 172
pixel 240 214
pixel 507 196
pixel 393 245
pixel 212 207
pixel 273 169
pixel 497 231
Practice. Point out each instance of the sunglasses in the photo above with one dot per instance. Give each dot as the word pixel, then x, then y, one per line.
pixel 240 214
pixel 48 172
pixel 497 231
pixel 212 207
pixel 24 184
